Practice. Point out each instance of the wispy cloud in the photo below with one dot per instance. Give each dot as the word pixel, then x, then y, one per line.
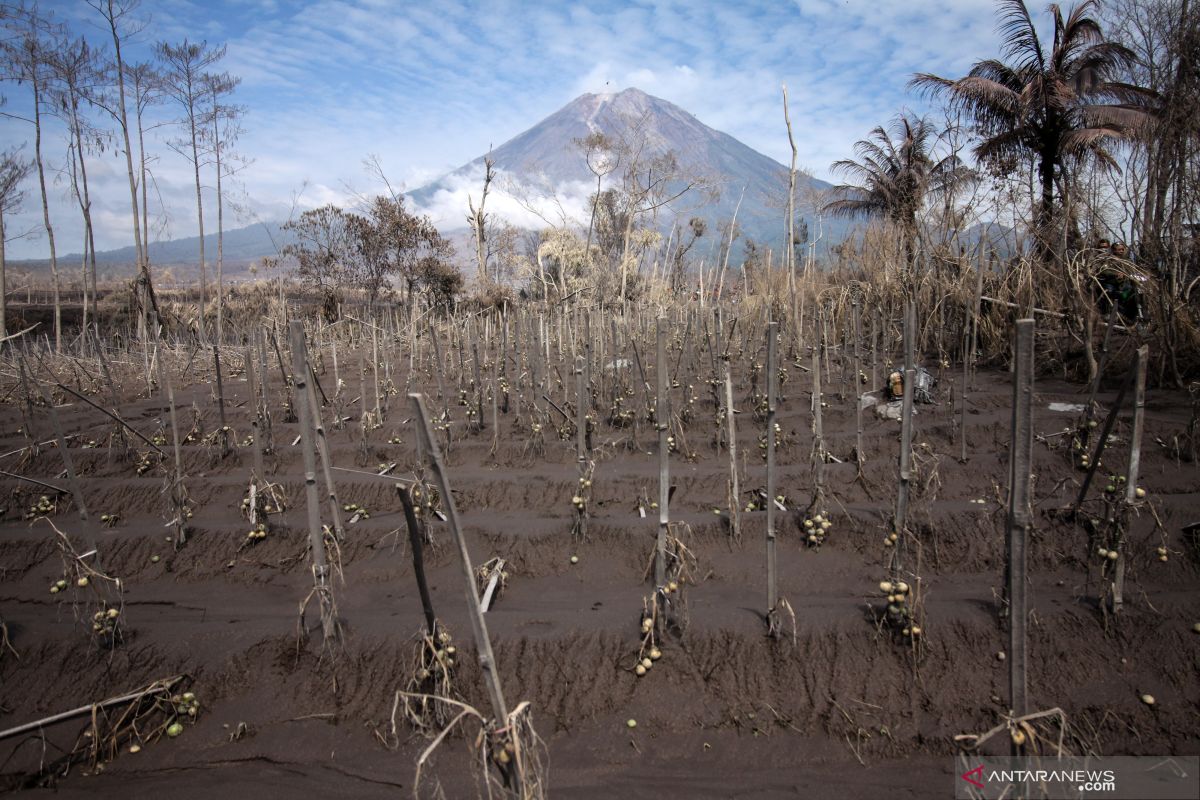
pixel 428 87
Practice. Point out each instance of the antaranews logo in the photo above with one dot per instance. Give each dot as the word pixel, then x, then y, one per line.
pixel 1110 778
pixel 978 773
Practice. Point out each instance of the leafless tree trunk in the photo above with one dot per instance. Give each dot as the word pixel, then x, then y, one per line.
pixel 113 12
pixel 185 79
pixel 33 49
pixel 478 221
pixel 13 172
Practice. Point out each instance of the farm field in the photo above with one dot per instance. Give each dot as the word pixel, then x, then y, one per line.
pixel 840 701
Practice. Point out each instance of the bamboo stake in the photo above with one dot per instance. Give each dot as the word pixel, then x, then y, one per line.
pixel 975 312
pixel 316 537
pixel 416 542
pixel 487 660
pixel 1131 476
pixel 224 433
pixel 735 493
pixel 255 419
pixel 818 452
pixel 177 492
pixel 901 518
pixel 478 383
pixel 962 401
pixel 322 443
pixel 772 378
pixel 375 373
pixel 662 418
pixel 1102 441
pixel 858 420
pixel 1021 464
pixel 437 361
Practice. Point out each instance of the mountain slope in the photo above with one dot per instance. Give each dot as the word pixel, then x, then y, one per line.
pixel 548 155
pixel 546 159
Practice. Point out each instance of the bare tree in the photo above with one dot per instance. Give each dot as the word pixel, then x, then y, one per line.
pixel 117 14
pixel 323 247
pixel 225 121
pixel 78 77
pixel 478 221
pixel 1160 187
pixel 603 157
pixel 14 169
pixel 26 59
pixel 393 242
pixel 147 87
pixel 185 68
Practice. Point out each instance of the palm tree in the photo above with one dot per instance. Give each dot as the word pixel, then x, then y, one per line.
pixel 895 174
pixel 1058 101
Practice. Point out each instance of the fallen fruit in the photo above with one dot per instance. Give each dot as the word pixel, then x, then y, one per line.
pixel 574 559
pixel 1148 699
pixel 1139 492
pixel 174 729
pixel 631 723
pixel 639 670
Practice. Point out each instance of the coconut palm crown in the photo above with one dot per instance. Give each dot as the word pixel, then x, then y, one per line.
pixel 1057 101
pixel 894 174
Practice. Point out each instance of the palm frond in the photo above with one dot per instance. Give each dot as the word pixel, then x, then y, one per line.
pixel 1020 38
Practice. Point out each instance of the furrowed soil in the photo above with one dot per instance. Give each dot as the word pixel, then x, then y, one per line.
pixel 839 708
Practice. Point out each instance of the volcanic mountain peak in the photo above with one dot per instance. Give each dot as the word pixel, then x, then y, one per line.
pixel 549 157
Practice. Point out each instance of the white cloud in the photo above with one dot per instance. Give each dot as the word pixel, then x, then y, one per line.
pixel 429 88
pixel 524 206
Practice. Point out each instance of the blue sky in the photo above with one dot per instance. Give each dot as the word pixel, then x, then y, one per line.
pixel 429 86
